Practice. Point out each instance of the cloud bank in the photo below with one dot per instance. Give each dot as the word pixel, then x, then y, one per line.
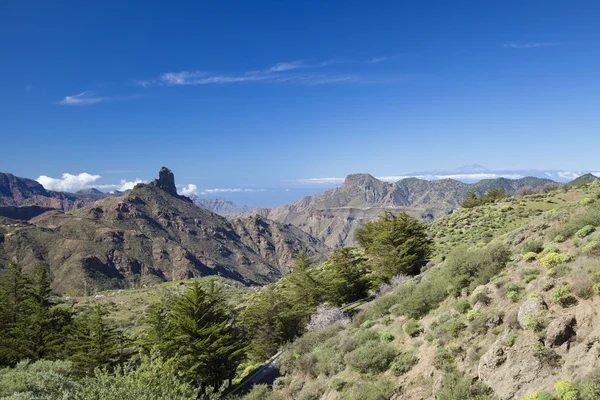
pixel 68 182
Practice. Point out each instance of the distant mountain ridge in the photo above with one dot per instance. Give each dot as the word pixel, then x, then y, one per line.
pixel 150 235
pixel 334 215
pixel 222 207
pixel 19 192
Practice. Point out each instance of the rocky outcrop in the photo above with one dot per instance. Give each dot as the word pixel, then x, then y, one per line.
pixel 530 308
pixel 560 330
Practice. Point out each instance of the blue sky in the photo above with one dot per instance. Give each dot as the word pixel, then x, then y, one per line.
pixel 256 96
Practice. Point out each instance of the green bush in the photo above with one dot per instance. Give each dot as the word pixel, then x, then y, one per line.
pixel 586 201
pixel 552 260
pixel 530 256
pixel 457 387
pixel 379 389
pixel 596 288
pixel 46 380
pixel 372 357
pixel 472 314
pixel 561 296
pixel 536 322
pixel 551 249
pixel 510 339
pixel 461 306
pixel 367 324
pixel 403 363
pixel 533 246
pixel 386 337
pixel 559 238
pixel 413 328
pixel 564 390
pixel 455 328
pixel 591 249
pixel 585 231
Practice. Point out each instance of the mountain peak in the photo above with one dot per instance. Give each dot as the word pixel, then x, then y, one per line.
pixel 166 181
pixel 360 180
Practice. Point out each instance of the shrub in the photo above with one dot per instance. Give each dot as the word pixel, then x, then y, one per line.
pixel 510 339
pixel 586 230
pixel 403 363
pixel 338 384
pixel 551 249
pixel 596 288
pixel 457 387
pixel 367 324
pixel 380 389
pixel 559 238
pixel 530 256
pixel 561 296
pixel 505 208
pixel 592 248
pixel 386 337
pixel 563 388
pixel 585 201
pixel 536 322
pixel 552 260
pixel 546 355
pixel 472 314
pixel 372 357
pixel 455 328
pixel 482 297
pixel 461 306
pixel 533 246
pixel 413 328
pixel 583 288
pixel 40 380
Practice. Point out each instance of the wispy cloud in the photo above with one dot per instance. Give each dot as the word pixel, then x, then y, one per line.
pixel 229 190
pixel 82 98
pixel 376 60
pixel 319 181
pixel 529 45
pixel 282 72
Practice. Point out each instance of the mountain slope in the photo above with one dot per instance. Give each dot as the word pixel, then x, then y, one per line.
pixel 334 215
pixel 222 207
pixel 151 234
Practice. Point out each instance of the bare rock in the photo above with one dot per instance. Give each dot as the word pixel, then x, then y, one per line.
pixel 561 330
pixel 530 307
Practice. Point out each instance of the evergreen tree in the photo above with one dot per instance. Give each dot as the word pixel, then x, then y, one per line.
pixel 203 338
pixel 14 311
pixel 471 201
pixel 94 343
pixel 304 281
pixel 40 333
pixel 345 275
pixel 394 245
pixel 272 317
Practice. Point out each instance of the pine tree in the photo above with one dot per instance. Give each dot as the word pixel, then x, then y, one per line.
pixel 203 338
pixel 94 343
pixel 345 275
pixel 40 332
pixel 394 244
pixel 13 315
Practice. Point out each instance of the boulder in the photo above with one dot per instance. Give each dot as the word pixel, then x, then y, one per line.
pixel 530 307
pixel 560 330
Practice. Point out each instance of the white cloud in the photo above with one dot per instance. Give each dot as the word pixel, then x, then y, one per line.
pixel 568 175
pixel 529 45
pixel 596 174
pixel 232 190
pixel 82 98
pixel 68 182
pixel 128 185
pixel 188 190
